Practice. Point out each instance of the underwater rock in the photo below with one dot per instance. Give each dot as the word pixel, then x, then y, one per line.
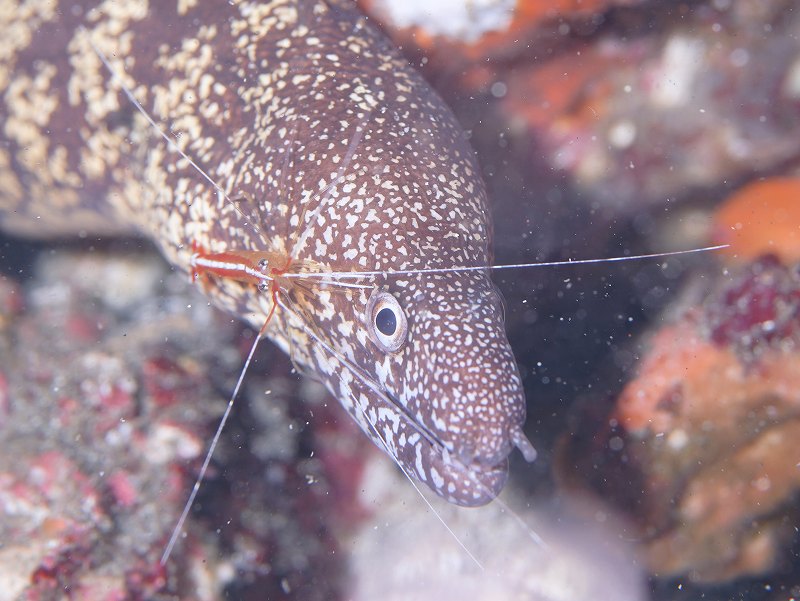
pixel 638 104
pixel 113 375
pixel 685 103
pixel 406 550
pixel 701 446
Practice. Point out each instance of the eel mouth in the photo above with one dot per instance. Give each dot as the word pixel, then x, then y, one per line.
pixel 468 482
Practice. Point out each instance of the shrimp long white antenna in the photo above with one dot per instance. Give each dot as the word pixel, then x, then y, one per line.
pixel 170 142
pixel 419 492
pixel 355 140
pixel 434 270
pixel 176 532
pixel 532 534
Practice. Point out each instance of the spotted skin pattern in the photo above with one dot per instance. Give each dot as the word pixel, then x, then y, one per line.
pixel 332 154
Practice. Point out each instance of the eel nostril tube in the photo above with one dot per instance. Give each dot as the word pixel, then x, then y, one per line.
pixel 521 441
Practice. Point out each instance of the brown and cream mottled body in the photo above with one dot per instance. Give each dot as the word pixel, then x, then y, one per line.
pixel 332 153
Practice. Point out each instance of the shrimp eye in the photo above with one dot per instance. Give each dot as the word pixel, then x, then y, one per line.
pixel 386 321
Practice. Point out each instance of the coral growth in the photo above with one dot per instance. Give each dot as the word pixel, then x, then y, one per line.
pixel 709 428
pixel 111 383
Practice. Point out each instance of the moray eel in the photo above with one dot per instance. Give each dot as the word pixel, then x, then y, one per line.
pixel 330 154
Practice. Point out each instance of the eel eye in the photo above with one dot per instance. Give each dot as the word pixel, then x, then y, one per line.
pixel 386 321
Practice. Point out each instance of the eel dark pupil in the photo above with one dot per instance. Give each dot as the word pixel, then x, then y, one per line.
pixel 386 322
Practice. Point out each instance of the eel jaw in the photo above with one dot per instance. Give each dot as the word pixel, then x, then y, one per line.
pixel 469 485
pixel 423 455
pixel 480 482
pixel 464 480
